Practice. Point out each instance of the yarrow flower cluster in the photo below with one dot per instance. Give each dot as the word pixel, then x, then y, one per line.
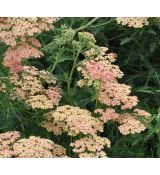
pixel 29 86
pixel 36 147
pixel 6 142
pixel 99 69
pixel 11 145
pixel 71 120
pixel 115 94
pixel 90 146
pixel 102 74
pixel 108 114
pixel 141 112
pixel 75 121
pixel 14 56
pixel 17 33
pixel 135 22
pixel 13 29
pixel 129 124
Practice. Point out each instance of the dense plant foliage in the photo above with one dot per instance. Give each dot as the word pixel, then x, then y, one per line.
pixel 79 87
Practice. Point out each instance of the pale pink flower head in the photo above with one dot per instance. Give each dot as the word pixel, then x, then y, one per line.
pixel 141 112
pixel 13 28
pixel 29 86
pixel 71 120
pixel 17 33
pixel 90 146
pixel 129 124
pixel 135 22
pixel 115 94
pixel 54 94
pixel 33 147
pixel 98 71
pixel 108 114
pixel 6 142
pixel 14 56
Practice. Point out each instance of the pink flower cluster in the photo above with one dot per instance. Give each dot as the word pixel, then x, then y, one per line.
pixel 29 86
pixel 29 83
pixel 129 124
pixel 17 33
pixel 36 147
pixel 78 122
pixel 14 56
pixel 53 93
pixel 141 112
pixel 6 141
pixel 98 71
pixel 72 120
pixel 90 146
pixel 115 94
pixel 135 22
pixel 101 73
pixel 13 29
pixel 11 145
pixel 108 114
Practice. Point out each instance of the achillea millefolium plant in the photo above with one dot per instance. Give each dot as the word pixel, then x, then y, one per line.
pixel 63 93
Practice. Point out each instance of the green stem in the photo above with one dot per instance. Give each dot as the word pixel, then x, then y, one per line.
pixel 87 25
pixel 53 67
pixel 3 77
pixel 57 58
pixel 71 73
pixel 108 22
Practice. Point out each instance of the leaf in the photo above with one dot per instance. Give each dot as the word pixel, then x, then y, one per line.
pixel 137 141
pixel 125 40
pixel 62 77
pixel 152 47
pixel 144 91
pixel 149 135
pixel 151 31
pixel 64 59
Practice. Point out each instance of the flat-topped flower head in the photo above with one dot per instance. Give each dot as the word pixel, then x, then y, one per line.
pixel 90 146
pixel 12 145
pixel 141 112
pixel 129 124
pixel 36 147
pixel 14 56
pixel 135 22
pixel 6 142
pixel 12 28
pixel 18 33
pixel 99 68
pixel 29 85
pixel 108 114
pixel 115 94
pixel 71 120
